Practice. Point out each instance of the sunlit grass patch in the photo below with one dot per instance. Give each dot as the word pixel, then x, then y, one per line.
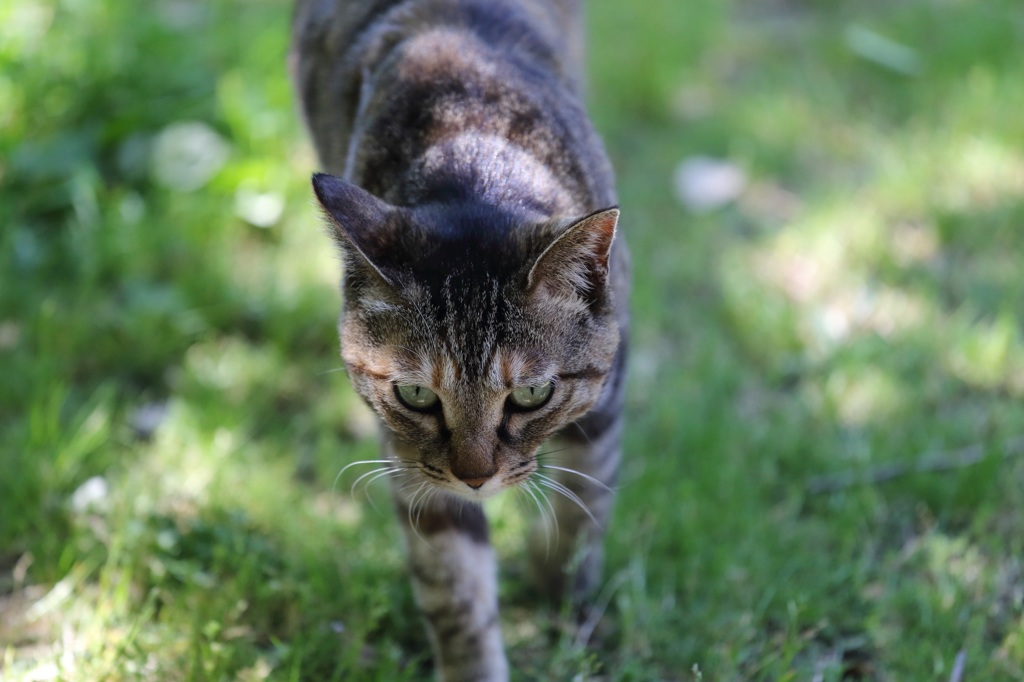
pixel 1011 649
pixel 934 574
pixel 816 286
pixel 868 395
pixel 987 354
pixel 948 169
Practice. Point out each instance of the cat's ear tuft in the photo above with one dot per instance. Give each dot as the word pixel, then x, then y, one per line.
pixel 360 223
pixel 575 264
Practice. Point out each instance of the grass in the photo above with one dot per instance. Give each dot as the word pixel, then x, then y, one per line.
pixel 172 421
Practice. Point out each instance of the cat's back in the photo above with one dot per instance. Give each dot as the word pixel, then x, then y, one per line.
pixel 375 62
pixel 332 31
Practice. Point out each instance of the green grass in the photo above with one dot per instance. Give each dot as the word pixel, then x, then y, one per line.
pixel 859 305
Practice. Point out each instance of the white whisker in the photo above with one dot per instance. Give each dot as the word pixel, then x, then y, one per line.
pixel 580 473
pixel 397 471
pixel 528 488
pixel 352 464
pixel 583 432
pixel 371 472
pixel 427 496
pixel 393 465
pixel 552 514
pixel 548 453
pixel 568 494
pixel 331 371
pixel 382 474
pixel 412 505
pixel 411 484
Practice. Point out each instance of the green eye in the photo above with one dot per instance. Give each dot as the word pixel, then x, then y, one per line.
pixel 419 398
pixel 531 397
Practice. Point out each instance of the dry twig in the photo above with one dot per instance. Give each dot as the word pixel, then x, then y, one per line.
pixel 931 462
pixel 958 666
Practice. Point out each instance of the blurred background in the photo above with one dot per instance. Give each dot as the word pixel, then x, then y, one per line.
pixel 824 476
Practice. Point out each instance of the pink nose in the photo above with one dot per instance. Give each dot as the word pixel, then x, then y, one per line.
pixel 475 483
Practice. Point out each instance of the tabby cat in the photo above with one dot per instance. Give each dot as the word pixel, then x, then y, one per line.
pixel 484 315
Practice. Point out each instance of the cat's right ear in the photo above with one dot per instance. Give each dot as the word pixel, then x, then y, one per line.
pixel 361 224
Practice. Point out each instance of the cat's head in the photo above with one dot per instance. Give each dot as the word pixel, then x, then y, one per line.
pixel 474 334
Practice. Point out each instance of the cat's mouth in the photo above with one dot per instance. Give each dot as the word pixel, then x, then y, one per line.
pixel 477 488
pixel 540 483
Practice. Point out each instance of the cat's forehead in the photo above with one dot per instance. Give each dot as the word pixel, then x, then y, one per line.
pixel 471 318
pixel 503 369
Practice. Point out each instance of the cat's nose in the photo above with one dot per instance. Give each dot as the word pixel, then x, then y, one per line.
pixel 475 483
pixel 473 463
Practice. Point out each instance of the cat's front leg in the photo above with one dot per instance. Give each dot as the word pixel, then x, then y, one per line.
pixel 454 579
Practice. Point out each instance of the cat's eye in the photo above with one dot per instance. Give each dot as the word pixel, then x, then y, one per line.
pixel 531 397
pixel 415 397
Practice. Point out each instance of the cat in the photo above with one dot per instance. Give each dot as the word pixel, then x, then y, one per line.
pixel 484 314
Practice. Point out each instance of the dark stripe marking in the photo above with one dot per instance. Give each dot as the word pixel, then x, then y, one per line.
pixel 465 517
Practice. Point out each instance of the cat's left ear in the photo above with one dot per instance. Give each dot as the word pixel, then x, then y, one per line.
pixel 360 223
pixel 575 264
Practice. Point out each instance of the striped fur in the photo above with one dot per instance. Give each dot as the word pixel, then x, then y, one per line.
pixel 474 209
